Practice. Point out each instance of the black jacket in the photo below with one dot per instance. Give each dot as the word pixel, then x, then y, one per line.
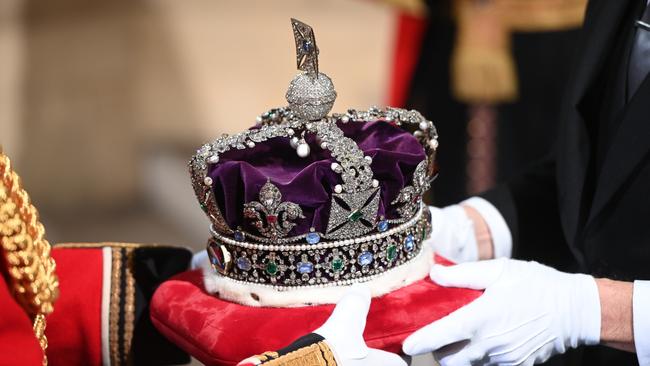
pixel 587 207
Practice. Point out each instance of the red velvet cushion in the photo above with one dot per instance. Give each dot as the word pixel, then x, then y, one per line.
pixel 218 332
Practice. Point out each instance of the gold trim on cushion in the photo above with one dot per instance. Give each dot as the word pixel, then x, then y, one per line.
pixel 317 354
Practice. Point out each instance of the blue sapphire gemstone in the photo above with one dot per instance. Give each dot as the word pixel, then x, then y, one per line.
pixel 365 258
pixel 244 264
pixel 382 225
pixel 239 236
pixel 305 267
pixel 307 46
pixel 409 243
pixel 313 238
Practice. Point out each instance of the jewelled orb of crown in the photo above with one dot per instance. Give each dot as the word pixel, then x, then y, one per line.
pixel 306 203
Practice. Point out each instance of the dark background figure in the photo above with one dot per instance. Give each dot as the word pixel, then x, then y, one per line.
pixel 491 75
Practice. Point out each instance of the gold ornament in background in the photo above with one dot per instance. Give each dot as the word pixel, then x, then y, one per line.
pixel 483 68
pixel 30 267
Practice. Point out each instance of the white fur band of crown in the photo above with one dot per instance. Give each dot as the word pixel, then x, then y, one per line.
pixel 266 296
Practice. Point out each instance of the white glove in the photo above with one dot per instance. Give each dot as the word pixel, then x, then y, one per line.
pixel 527 313
pixel 452 234
pixel 199 259
pixel 343 331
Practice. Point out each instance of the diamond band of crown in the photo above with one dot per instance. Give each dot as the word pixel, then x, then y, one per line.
pixel 338 263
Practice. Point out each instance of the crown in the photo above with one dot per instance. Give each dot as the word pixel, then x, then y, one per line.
pixel 309 199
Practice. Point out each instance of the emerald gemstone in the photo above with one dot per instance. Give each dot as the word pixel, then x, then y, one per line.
pixel 271 268
pixel 337 264
pixel 391 252
pixel 355 216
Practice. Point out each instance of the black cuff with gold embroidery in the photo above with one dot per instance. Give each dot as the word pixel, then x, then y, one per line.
pixel 131 274
pixel 310 349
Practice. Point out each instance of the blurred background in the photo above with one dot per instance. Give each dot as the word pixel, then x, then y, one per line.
pixel 103 102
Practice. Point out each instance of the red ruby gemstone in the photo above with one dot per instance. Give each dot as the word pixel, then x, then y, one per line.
pixel 216 255
pixel 271 219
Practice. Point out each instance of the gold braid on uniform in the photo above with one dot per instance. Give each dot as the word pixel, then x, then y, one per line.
pixel 122 304
pixel 309 350
pixel 30 267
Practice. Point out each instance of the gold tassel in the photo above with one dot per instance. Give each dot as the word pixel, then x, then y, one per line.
pixel 482 68
pixel 31 269
pixel 413 7
pixel 482 65
pixel 542 15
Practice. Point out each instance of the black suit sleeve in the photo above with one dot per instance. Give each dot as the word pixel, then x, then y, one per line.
pixel 529 204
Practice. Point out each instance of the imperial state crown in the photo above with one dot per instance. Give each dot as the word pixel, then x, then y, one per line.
pixel 305 200
pixel 302 205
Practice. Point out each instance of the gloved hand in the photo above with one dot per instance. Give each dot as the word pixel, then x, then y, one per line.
pixel 452 234
pixel 344 332
pixel 527 313
pixel 469 231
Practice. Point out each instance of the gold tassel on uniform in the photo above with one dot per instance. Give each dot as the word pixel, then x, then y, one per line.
pixel 483 68
pixel 31 269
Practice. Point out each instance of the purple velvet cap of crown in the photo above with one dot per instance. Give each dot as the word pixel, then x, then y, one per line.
pixel 309 182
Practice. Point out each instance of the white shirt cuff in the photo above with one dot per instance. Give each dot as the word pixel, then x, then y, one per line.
pixel 452 234
pixel 641 321
pixel 501 236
